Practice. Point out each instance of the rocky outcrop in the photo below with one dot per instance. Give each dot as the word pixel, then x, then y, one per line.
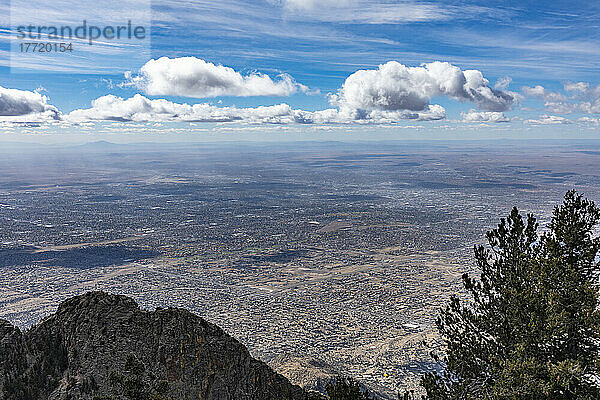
pixel 313 374
pixel 306 372
pixel 101 346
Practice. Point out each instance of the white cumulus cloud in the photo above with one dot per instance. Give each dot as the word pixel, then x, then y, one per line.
pixel 589 121
pixel 396 87
pixel 579 97
pixel 484 116
pixel 541 92
pixel 577 87
pixel 389 94
pixel 194 77
pixel 503 82
pixel 549 120
pixel 23 105
pixel 141 109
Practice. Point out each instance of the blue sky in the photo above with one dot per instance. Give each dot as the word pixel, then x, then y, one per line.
pixel 539 60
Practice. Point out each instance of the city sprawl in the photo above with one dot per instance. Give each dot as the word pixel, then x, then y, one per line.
pixel 338 252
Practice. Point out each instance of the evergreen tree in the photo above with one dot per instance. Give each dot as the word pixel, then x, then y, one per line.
pixel 531 326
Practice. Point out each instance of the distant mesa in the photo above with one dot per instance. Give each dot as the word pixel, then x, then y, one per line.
pixel 100 144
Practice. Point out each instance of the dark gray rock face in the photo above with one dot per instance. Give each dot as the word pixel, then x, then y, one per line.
pixel 77 353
